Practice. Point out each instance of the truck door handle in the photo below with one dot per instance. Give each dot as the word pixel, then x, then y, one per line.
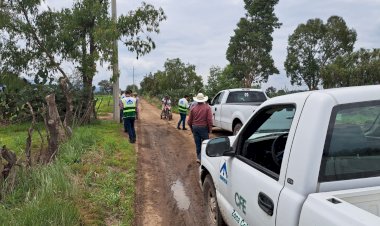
pixel 265 203
pixel 215 109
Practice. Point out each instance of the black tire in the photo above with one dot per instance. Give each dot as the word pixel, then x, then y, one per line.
pixel 237 128
pixel 170 115
pixel 213 214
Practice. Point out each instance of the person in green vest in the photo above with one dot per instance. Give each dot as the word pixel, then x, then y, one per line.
pixel 183 105
pixel 129 113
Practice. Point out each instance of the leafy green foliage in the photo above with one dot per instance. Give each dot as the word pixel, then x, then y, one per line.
pixel 37 42
pixel 105 87
pixel 314 45
pixel 140 22
pixel 177 80
pixel 220 79
pixel 132 87
pixel 355 69
pixel 271 91
pixel 13 82
pixel 249 49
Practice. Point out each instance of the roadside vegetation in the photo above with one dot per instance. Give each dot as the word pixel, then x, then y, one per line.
pixel 104 104
pixel 92 181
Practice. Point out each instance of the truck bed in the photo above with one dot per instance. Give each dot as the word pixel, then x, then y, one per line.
pixel 354 207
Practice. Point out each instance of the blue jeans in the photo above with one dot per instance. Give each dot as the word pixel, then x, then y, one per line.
pixel 200 134
pixel 183 120
pixel 129 123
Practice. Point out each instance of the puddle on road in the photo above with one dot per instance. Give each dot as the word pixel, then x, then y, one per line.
pixel 183 202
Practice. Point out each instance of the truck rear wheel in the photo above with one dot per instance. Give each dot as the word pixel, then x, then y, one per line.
pixel 214 217
pixel 237 128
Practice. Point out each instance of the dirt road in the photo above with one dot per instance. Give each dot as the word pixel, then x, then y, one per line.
pixel 168 191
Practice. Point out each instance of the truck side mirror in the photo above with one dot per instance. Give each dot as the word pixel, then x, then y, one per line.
pixel 218 146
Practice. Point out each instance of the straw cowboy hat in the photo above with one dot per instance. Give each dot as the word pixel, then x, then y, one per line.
pixel 200 98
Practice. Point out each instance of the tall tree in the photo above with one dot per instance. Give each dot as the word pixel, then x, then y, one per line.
pixel 132 87
pixel 37 42
pixel 271 91
pixel 361 67
pixel 89 33
pixel 105 86
pixel 314 45
pixel 149 85
pixel 176 80
pixel 249 49
pixel 29 45
pixel 179 78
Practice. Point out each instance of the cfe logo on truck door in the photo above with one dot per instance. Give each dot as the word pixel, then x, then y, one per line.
pixel 223 173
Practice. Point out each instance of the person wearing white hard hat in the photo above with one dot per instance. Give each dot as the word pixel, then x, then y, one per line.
pixel 200 122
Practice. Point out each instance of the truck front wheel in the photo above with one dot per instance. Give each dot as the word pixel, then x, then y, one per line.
pixel 214 217
pixel 237 128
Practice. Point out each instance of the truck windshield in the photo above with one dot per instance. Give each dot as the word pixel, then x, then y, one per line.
pixel 278 123
pixel 352 147
pixel 246 97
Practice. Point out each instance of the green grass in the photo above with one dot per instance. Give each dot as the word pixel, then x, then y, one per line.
pixel 106 175
pixel 14 137
pixel 42 196
pixel 104 104
pixel 92 181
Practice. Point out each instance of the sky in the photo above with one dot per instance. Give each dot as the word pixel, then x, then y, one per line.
pixel 198 33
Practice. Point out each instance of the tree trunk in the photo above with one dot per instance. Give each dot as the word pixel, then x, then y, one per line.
pixel 28 147
pixel 88 99
pixel 64 83
pixel 8 172
pixel 88 75
pixel 11 158
pixel 55 127
pixel 248 82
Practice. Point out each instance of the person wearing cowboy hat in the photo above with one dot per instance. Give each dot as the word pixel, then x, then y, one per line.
pixel 200 122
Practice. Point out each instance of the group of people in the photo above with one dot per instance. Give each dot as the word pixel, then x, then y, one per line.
pixel 199 121
pixel 129 113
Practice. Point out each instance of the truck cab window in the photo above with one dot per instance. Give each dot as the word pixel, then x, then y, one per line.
pixel 217 99
pixel 263 141
pixel 352 146
pixel 246 97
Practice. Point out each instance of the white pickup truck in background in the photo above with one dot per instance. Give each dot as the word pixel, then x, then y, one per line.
pixel 307 159
pixel 231 108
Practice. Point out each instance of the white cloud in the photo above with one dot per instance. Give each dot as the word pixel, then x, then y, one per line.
pixel 198 32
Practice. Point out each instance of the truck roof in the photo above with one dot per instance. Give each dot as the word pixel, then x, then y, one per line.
pixel 244 89
pixel 340 95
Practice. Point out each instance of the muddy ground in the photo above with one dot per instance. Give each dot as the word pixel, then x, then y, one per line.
pixel 168 191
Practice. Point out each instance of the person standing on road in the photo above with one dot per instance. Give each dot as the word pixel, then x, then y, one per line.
pixel 122 95
pixel 200 122
pixel 129 113
pixel 183 105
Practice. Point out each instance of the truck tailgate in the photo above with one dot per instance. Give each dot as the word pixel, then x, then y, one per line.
pixel 352 207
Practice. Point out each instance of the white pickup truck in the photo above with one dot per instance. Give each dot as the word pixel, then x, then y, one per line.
pixel 307 159
pixel 231 108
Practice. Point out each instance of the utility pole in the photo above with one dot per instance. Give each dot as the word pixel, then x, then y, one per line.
pixel 133 76
pixel 116 91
